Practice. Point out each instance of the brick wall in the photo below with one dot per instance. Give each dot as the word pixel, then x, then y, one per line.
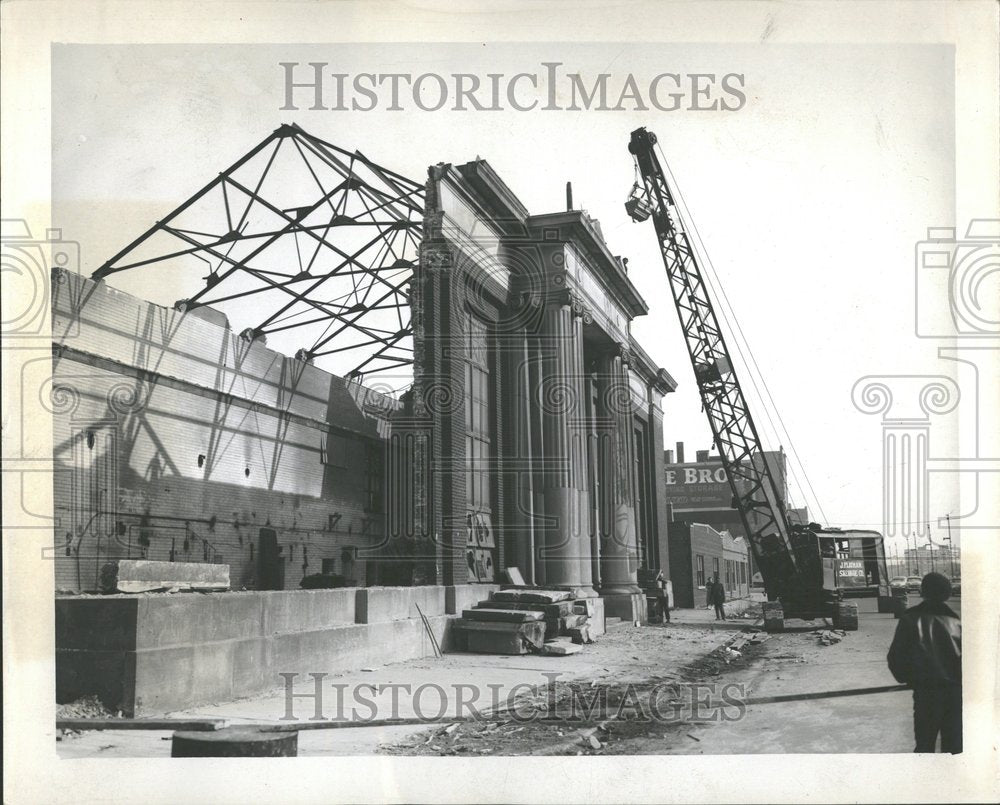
pixel 688 542
pixel 174 439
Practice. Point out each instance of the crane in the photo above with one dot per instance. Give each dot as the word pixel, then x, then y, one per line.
pixel 799 564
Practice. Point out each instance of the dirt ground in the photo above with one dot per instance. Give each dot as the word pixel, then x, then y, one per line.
pixel 645 662
pixel 631 692
pixel 613 703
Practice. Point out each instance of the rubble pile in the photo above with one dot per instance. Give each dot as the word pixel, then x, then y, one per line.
pixel 827 637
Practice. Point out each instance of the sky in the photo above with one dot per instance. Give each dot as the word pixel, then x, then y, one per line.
pixel 809 199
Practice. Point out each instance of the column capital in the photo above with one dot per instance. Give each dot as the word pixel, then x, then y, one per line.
pixel 624 351
pixel 570 297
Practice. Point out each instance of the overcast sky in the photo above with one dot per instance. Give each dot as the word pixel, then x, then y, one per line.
pixel 809 199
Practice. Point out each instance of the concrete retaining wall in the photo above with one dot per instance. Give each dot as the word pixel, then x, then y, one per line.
pixel 151 654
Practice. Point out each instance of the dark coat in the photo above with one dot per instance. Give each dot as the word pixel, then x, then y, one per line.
pixel 926 650
pixel 716 592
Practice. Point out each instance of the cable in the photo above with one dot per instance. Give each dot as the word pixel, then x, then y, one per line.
pixel 738 337
pixel 749 362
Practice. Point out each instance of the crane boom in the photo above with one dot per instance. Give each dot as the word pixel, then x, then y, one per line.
pixel 755 493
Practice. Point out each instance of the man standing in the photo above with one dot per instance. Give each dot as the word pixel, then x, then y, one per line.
pixel 926 654
pixel 717 597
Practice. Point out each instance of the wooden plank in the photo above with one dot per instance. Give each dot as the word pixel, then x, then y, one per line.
pixel 188 724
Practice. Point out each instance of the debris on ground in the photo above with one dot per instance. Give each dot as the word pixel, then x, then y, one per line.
pixel 87 707
pixel 827 637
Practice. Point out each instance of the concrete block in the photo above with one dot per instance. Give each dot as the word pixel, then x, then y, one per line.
pixel 593 608
pixel 504 615
pixel 501 638
pixel 143 575
pixel 463 596
pixel 629 607
pixel 432 600
pixel 160 653
pixel 188 619
pixel 384 604
pixel 308 610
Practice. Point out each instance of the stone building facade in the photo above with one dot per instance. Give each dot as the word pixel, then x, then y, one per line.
pixel 531 437
pixel 538 417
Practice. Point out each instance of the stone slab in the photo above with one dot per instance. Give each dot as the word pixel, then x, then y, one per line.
pixel 559 609
pixel 557 649
pixel 505 615
pixel 532 595
pixel 144 575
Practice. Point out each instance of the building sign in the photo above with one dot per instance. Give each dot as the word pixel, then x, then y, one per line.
pixel 703 485
pixel 850 572
pixel 698 486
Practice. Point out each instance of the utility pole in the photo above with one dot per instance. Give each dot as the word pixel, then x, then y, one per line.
pixel 930 546
pixel 951 546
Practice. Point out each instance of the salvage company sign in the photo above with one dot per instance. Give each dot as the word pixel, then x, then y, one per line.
pixel 850 573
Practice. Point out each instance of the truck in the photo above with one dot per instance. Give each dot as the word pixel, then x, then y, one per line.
pixel 808 571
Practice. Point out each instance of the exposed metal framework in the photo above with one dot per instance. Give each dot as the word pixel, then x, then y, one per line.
pixel 754 489
pixel 323 240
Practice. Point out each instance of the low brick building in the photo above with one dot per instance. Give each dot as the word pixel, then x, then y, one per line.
pixel 697 553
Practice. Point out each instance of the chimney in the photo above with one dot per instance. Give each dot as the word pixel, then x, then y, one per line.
pixel 668 456
pixel 701 456
pixel 569 196
pixel 680 452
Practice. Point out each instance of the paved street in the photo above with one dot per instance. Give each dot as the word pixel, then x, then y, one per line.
pixel 795 663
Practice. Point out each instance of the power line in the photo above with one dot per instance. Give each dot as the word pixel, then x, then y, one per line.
pixel 739 338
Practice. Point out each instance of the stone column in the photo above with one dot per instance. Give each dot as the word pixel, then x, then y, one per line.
pixel 579 432
pixel 567 547
pixel 619 554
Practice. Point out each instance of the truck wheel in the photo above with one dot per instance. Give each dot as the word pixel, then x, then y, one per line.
pixel 774 617
pixel 846 616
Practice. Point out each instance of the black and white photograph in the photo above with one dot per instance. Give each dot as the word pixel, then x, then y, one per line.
pixel 500 402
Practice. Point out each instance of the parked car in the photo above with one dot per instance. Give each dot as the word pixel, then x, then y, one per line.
pixel 913 584
pixel 956 585
pixel 898 581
